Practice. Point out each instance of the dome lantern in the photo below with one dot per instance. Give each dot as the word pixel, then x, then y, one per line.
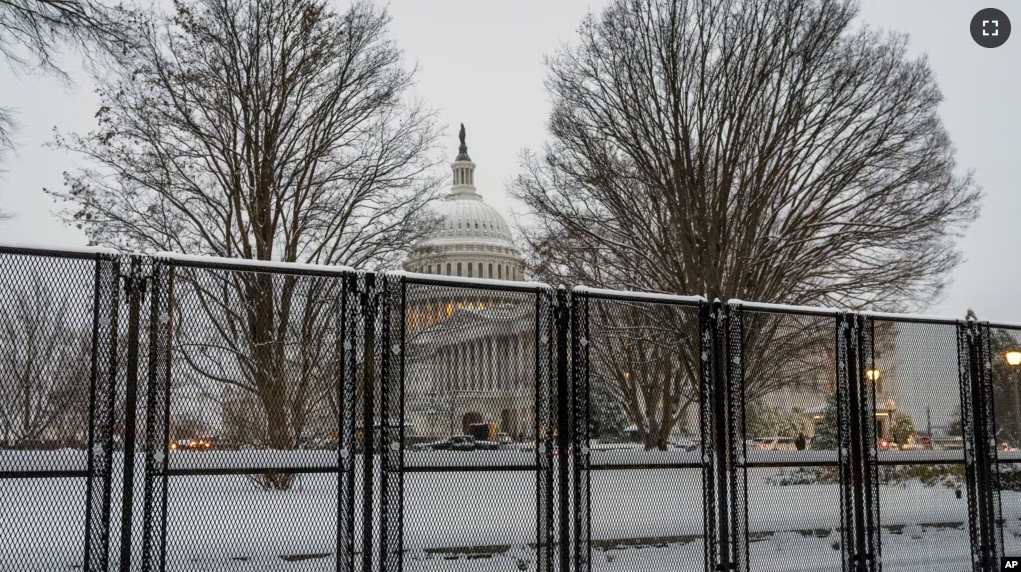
pixel 472 239
pixel 463 169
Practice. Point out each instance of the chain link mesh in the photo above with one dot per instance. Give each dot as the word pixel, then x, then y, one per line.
pixel 180 415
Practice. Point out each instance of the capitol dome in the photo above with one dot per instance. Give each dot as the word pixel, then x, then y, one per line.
pixel 473 239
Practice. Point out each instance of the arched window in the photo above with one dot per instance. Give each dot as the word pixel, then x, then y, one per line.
pixel 430 269
pixel 476 226
pixel 458 268
pixel 469 270
pixel 499 271
pixel 514 273
pixel 448 269
pixel 458 225
pixel 490 269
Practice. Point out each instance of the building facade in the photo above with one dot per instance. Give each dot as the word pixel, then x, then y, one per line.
pixel 471 353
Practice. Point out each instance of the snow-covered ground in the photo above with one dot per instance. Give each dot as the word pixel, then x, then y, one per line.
pixel 646 519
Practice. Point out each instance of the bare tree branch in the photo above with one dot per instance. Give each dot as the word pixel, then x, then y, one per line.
pixel 264 130
pixel 772 151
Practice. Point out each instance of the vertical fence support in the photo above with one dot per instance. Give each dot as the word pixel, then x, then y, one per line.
pixel 389 308
pixel 135 285
pixel 983 451
pixel 368 306
pixel 992 469
pixel 736 469
pixel 863 351
pixel 964 360
pixel 157 434
pixel 720 439
pixel 581 401
pixel 347 391
pixel 852 380
pixel 562 316
pixel 706 348
pixel 545 388
pixel 103 392
pixel 847 420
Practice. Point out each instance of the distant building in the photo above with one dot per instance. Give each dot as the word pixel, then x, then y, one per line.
pixel 470 353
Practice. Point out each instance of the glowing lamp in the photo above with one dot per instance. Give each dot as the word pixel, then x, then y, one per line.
pixel 1013 357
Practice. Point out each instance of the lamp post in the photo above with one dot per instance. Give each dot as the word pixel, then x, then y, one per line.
pixel 873 375
pixel 1013 359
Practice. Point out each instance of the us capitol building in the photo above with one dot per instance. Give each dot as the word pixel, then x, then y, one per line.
pixel 470 353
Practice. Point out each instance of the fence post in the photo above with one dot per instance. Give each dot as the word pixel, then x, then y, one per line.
pixel 562 321
pixel 135 284
pixel 103 376
pixel 546 431
pixel 993 503
pixel 368 306
pixel 157 434
pixel 347 392
pixel 733 388
pixel 852 401
pixel 864 352
pixel 721 453
pixel 580 398
pixel 706 349
pixel 984 447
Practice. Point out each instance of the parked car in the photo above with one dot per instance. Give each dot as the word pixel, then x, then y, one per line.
pixel 887 445
pixel 774 444
pixel 685 444
pixel 191 445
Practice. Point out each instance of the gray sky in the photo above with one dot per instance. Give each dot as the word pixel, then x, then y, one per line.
pixel 481 64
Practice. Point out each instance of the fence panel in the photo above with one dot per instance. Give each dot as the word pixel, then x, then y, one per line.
pixel 1002 345
pixel 255 447
pixel 640 443
pixel 57 315
pixel 920 371
pixel 470 411
pixel 791 465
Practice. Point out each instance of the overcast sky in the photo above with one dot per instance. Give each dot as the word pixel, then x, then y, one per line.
pixel 481 64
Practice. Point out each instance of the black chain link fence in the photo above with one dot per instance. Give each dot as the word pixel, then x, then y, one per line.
pixel 179 414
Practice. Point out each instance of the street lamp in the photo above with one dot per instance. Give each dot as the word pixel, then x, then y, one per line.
pixel 875 375
pixel 1013 359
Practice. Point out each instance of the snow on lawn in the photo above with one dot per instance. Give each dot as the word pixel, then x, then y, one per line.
pixel 645 519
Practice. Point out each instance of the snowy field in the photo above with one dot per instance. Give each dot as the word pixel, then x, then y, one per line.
pixel 646 519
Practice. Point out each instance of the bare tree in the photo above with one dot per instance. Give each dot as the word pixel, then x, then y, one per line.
pixel 259 130
pixel 770 151
pixel 646 357
pixel 773 151
pixel 33 34
pixel 45 362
